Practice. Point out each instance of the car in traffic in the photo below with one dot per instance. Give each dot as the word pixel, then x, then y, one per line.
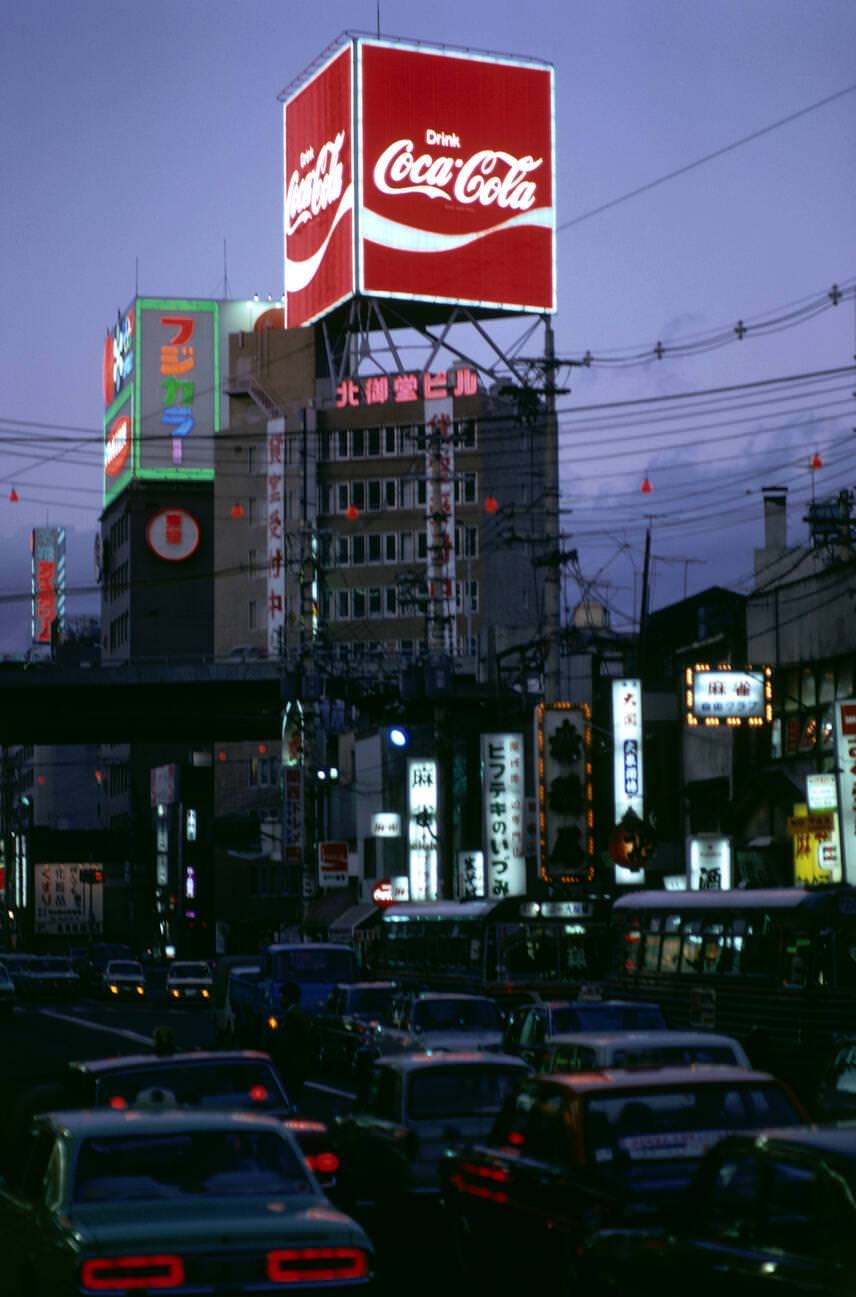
pixel 590 1051
pixel 349 1021
pixel 171 1201
pixel 16 962
pixel 531 1027
pixel 570 1154
pixel 124 979
pixel 835 1095
pixel 417 1106
pixel 8 996
pixel 189 981
pixel 434 1020
pixel 47 977
pixel 770 1212
pixel 234 1081
pixel 90 962
pixel 225 1019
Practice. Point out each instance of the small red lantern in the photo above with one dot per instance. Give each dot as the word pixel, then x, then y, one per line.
pixel 13 496
pixel 491 504
pixel 816 461
pixel 237 510
pixel 352 512
pixel 646 488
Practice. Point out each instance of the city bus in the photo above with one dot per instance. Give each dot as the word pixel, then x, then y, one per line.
pixel 507 948
pixel 775 967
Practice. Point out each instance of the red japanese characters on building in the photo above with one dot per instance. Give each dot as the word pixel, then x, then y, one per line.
pixel 401 389
pixel 422 173
pixel 47 545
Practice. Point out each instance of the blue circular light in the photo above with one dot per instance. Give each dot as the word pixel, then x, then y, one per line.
pixel 399 737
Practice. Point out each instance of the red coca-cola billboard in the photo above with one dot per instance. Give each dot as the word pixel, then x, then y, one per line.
pixel 443 180
pixel 319 192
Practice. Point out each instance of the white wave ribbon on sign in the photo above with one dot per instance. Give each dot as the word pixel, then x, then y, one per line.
pixel 300 273
pixel 408 238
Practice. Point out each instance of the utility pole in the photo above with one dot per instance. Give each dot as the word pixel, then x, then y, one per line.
pixel 552 575
pixel 440 629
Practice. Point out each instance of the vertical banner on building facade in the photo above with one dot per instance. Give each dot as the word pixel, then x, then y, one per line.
pixel 275 537
pixel 845 761
pixel 627 773
pixel 504 814
pixel 440 525
pixel 565 793
pixel 469 875
pixel 422 829
pixel 177 391
pixel 48 581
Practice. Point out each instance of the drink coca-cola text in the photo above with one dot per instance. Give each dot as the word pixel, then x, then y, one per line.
pixel 315 191
pixel 488 176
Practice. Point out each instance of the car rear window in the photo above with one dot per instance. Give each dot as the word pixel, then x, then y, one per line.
pixel 456 1015
pixel 675 1056
pixel 468 1091
pixel 251 1085
pixel 681 1121
pixel 192 1164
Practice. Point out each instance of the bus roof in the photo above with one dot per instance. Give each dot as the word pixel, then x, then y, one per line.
pixel 761 898
pixel 402 910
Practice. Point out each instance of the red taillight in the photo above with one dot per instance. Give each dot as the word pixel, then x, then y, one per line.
pixel 118 1102
pixel 258 1093
pixel 123 1273
pixel 315 1264
pixel 322 1163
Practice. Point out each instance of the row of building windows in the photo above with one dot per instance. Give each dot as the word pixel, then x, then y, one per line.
pixel 393 652
pixel 118 582
pixel 120 531
pixel 119 629
pixel 375 494
pixel 401 439
pixel 346 550
pixel 391 601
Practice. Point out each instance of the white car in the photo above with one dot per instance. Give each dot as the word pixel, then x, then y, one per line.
pixel 124 978
pixel 416 1107
pixel 189 980
pixel 592 1051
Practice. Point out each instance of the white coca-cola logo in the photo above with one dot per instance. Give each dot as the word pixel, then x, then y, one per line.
pixel 318 188
pixel 487 177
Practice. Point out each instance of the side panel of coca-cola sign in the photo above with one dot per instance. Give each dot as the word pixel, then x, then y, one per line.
pixel 319 192
pixel 455 173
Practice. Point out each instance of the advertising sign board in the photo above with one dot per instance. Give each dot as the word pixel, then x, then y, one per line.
pixel 565 792
pixel 503 786
pixel 64 903
pixel 48 581
pixel 845 761
pixel 332 864
pixel 422 829
pixel 420 172
pixel 710 862
pixel 727 696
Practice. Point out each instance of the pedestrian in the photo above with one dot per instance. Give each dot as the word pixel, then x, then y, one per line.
pixel 293 1042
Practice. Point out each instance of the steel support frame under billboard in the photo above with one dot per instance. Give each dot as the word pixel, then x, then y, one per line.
pixel 346 339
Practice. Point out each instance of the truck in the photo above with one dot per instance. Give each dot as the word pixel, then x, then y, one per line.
pixel 255 997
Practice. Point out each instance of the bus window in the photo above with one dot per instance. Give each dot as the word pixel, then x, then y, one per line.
pixel 712 947
pixel 632 950
pixel 670 952
pixel 795 960
pixel 651 954
pixel 691 946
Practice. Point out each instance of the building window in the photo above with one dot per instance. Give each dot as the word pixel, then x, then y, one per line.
pixel 374 441
pixel 466 488
pixel 358 495
pixel 422 490
pixel 342 551
pixel 342 444
pixel 251 460
pixel 358 549
pixel 343 605
pixel 252 615
pixel 252 563
pixel 405 546
pixel 390 547
pixel 358 603
pixel 466 434
pixel 375 606
pixel 389 440
pixel 374 497
pixel 421 545
pixel 391 600
pixel 342 497
pixel 390 493
pixel 375 540
pixel 358 443
pixel 325 498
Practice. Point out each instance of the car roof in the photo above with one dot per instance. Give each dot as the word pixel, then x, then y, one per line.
pixel 652 1037
pixel 419 1062
pixel 192 1058
pixel 78 1122
pixel 367 986
pixel 616 1080
pixel 838 1139
pixel 451 995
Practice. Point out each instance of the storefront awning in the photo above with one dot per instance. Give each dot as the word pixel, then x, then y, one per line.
pixel 324 910
pixel 345 926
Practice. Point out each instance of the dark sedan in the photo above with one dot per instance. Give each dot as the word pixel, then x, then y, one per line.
pixel 773 1212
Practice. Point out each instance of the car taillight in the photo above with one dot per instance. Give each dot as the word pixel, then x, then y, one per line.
pixel 124 1273
pixel 323 1163
pixel 316 1264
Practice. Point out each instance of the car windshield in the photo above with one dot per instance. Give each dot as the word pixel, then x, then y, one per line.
pixel 607 1017
pixel 456 1015
pixel 680 1121
pixel 314 964
pixel 124 969
pixel 371 1000
pixel 209 1163
pixel 253 1085
pixel 466 1091
pixel 189 970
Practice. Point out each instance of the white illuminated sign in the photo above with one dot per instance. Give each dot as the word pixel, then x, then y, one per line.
pixel 710 864
pixel 469 884
pixel 845 760
pixel 386 825
pixel 422 829
pixel 627 748
pixel 821 793
pixel 503 787
pixel 728 697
